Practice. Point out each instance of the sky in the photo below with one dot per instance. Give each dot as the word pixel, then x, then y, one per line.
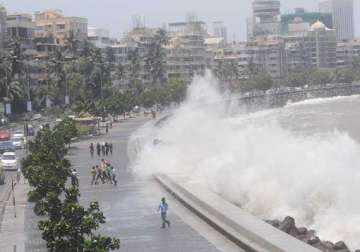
pixel 116 15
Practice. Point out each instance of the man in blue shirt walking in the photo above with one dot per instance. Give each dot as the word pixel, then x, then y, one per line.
pixel 163 208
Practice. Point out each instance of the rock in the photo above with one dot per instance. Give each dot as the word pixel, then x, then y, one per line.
pixel 340 245
pixel 294 232
pixel 314 240
pixel 302 231
pixel 324 246
pixel 287 224
pixel 274 223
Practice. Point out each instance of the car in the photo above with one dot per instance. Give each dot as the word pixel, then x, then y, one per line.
pixel 18 134
pixel 18 142
pixel 4 136
pixel 6 146
pixel 9 161
pixel 2 176
pixel 3 120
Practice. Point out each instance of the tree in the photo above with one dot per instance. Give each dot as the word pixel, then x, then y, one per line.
pixel 134 69
pixel 345 75
pixel 72 226
pixel 66 225
pixel 10 86
pixel 320 77
pixel 297 79
pixel 155 59
pixel 66 130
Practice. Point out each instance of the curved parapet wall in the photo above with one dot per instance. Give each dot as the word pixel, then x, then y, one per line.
pixel 279 98
pixel 249 232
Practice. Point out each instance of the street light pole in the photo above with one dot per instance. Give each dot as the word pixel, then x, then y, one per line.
pixel 29 105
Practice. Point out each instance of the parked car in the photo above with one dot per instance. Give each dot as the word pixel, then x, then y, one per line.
pixel 6 146
pixel 9 161
pixel 4 136
pixel 18 142
pixel 2 175
pixel 3 120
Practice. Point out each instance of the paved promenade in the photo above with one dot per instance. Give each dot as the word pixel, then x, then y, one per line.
pixel 130 208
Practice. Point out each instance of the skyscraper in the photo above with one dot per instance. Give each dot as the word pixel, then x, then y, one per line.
pixel 266 15
pixel 343 16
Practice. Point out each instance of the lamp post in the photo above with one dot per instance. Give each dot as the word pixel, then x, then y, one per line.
pixel 28 104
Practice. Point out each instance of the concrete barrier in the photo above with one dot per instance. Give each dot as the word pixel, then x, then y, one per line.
pixel 247 231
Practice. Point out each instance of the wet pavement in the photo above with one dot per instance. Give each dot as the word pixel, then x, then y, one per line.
pixel 131 206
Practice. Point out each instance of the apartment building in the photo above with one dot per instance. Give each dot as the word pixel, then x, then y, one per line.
pixel 53 23
pixel 187 55
pixel 348 53
pixel 3 29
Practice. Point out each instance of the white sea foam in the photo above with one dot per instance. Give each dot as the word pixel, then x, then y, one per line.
pixel 255 162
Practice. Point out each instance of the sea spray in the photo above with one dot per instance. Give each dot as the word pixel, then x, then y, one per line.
pixel 257 163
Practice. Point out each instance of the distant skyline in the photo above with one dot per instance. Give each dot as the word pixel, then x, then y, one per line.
pixel 116 15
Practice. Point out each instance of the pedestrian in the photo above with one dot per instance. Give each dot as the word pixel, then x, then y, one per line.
pixel 103 149
pixel 111 148
pixel 106 148
pixel 111 124
pixel 109 172
pixel 163 209
pixel 113 177
pixel 107 128
pixel 98 175
pixel 98 149
pixel 74 179
pixel 93 175
pixel 91 147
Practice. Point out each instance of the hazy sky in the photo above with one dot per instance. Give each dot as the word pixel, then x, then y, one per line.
pixel 116 15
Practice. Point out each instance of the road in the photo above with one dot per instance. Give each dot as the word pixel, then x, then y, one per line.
pixel 131 207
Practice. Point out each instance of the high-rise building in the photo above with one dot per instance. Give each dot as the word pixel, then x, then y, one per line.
pixel 343 17
pixel 220 30
pixel 266 17
pixel 52 23
pixel 3 30
pixel 288 21
pixel 187 55
pixel 312 49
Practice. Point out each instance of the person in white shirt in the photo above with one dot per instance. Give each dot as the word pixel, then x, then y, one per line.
pixel 163 209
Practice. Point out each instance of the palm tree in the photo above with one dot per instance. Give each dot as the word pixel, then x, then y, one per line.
pixel 10 88
pixel 156 57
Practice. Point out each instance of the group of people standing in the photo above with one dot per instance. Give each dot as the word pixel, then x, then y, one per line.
pixel 104 172
pixel 102 149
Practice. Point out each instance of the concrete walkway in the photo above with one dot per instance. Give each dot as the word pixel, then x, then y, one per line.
pixel 130 208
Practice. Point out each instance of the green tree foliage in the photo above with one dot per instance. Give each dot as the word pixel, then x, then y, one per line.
pixel 66 225
pixel 66 130
pixel 156 58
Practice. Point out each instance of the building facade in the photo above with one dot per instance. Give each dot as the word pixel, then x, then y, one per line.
pixel 187 55
pixel 312 49
pixel 348 53
pixel 266 18
pixel 3 29
pixel 220 31
pixel 343 17
pixel 20 26
pixel 53 23
pixel 100 37
pixel 288 20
